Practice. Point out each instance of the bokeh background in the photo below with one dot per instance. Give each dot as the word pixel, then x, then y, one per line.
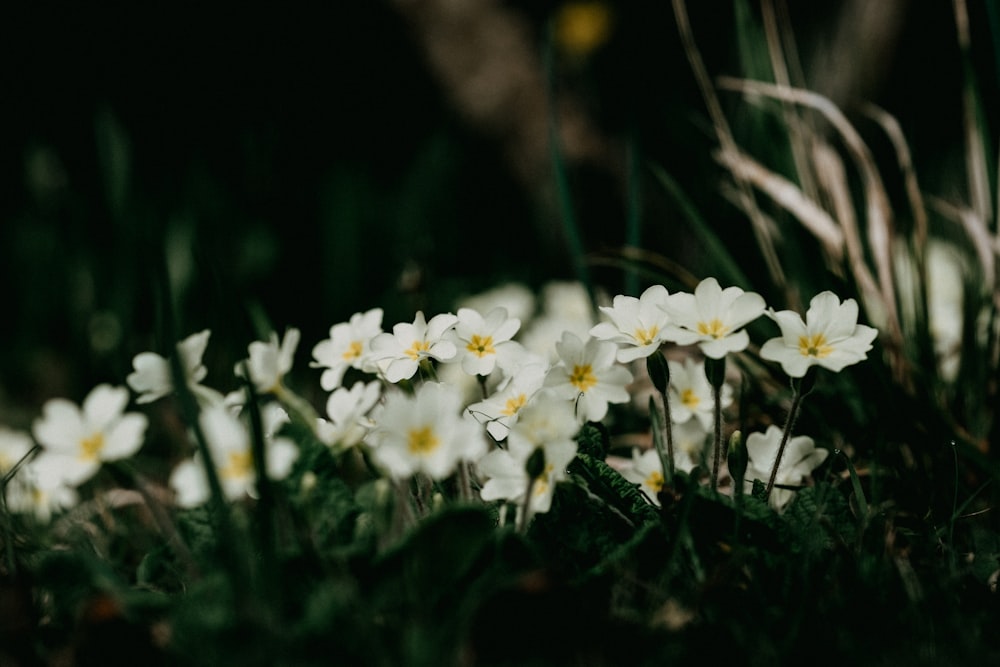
pixel 239 167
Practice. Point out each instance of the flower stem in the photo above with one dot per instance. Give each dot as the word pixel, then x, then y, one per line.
pixel 526 507
pixel 464 481
pixel 659 374
pixel 800 387
pixel 668 433
pixel 715 369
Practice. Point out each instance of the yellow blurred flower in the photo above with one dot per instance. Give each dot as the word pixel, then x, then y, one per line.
pixel 582 27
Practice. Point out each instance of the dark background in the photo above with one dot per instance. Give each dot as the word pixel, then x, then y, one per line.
pixel 310 164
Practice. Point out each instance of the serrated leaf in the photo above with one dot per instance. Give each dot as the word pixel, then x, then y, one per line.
pixel 593 440
pixel 609 485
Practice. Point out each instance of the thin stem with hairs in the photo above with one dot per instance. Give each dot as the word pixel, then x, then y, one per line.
pixel 800 387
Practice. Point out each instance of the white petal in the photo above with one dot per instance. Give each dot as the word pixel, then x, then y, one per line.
pixel 190 484
pixel 60 428
pixel 104 405
pixel 125 438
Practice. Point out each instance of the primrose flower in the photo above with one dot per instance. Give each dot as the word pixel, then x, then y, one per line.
pixel 800 458
pixel 507 477
pixel 517 298
pixel 588 375
pixel 29 494
pixel 548 424
pixel 638 325
pixel 500 410
pixel 565 306
pixel 690 393
pixel 945 306
pixel 270 361
pixel 349 346
pixel 830 336
pixel 546 420
pixel 646 471
pixel 398 354
pixel 14 446
pixel 75 441
pixel 713 317
pixel 481 340
pixel 426 432
pixel 690 437
pixel 229 443
pixel 152 378
pixel 348 412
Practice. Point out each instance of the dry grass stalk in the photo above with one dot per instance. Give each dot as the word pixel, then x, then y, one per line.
pixel 979 235
pixel 975 152
pixel 878 213
pixel 894 132
pixel 797 131
pixel 765 241
pixel 833 177
pixel 787 195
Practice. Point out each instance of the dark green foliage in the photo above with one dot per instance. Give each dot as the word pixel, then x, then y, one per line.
pixel 593 440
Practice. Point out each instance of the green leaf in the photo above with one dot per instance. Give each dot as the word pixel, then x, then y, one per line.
pixel 609 485
pixel 593 440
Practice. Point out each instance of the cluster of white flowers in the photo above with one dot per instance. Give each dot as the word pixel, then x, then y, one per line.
pixel 514 441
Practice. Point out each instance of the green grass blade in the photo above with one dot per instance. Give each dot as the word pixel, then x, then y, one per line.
pixel 728 270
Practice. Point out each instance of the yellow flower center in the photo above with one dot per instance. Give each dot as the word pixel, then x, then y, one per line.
pixel 716 329
pixel 646 336
pixel 417 347
pixel 514 404
pixel 481 345
pixel 353 351
pixel 655 481
pixel 238 465
pixel 583 377
pixel 814 346
pixel 690 399
pixel 422 441
pixel 91 447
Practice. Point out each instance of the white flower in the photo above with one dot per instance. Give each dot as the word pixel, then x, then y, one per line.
pixel 646 470
pixel 152 378
pixel 229 444
pixel 945 306
pixel 23 491
pixel 548 424
pixel 398 354
pixel 270 361
pixel 39 496
pixel 567 300
pixel 637 325
pixel 588 375
pixel 426 432
pixel 348 412
pixel 713 317
pixel 691 438
pixel 507 478
pixel 944 290
pixel 76 441
pixel 349 346
pixel 517 298
pixel 14 446
pixel 546 420
pixel 565 307
pixel 500 410
pixel 480 341
pixel 830 336
pixel 800 458
pixel 691 395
